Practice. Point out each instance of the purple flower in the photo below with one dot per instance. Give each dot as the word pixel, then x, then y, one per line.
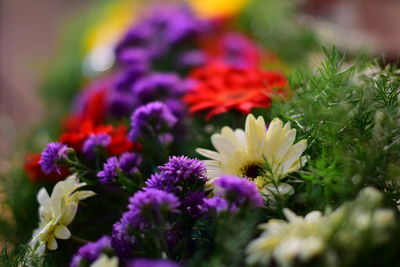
pixel 109 172
pixel 238 50
pixel 165 87
pixel 129 162
pixel 120 103
pixel 127 77
pixel 91 251
pixel 151 120
pixel 151 263
pixel 149 208
pixel 179 174
pixel 158 86
pixel 214 205
pixel 123 244
pixel 135 58
pixel 191 59
pixel 93 142
pixel 160 31
pixel 156 181
pixel 238 191
pixel 52 155
pixel 183 168
pixel 192 203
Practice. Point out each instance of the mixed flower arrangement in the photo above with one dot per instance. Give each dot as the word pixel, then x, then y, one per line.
pixel 149 170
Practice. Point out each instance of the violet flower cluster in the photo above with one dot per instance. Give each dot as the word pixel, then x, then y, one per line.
pixel 95 142
pixel 128 163
pixel 153 120
pixel 51 157
pixel 163 30
pixel 90 252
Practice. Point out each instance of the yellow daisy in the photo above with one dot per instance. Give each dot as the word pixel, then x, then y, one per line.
pixel 264 156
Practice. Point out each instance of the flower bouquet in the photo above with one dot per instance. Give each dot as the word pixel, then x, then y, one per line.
pixel 195 146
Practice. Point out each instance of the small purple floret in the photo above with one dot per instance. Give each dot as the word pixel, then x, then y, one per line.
pixel 129 162
pixel 91 251
pixel 148 208
pixel 151 120
pixel 51 156
pixel 151 263
pixel 110 171
pixel 238 191
pixel 93 142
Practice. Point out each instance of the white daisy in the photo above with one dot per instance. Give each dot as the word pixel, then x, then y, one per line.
pixel 57 212
pixel 246 153
pixel 298 238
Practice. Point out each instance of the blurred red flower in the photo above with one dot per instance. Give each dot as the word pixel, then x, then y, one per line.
pixel 219 88
pixel 76 136
pixel 35 173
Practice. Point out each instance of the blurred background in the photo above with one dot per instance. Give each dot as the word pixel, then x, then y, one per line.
pixel 29 34
pixel 31 31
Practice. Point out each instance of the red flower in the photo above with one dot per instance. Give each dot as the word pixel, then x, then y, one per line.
pixel 120 142
pixel 35 173
pixel 219 88
pixel 77 135
pixel 119 137
pixel 95 108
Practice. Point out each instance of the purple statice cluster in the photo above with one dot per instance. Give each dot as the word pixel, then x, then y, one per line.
pixel 95 142
pixel 160 33
pixel 127 163
pixel 151 263
pixel 153 120
pixel 238 50
pixel 149 45
pixel 215 205
pixel 129 94
pixel 179 174
pixel 149 209
pixel 52 156
pixel 238 191
pixel 110 170
pixel 90 252
pixel 123 243
pixel 166 87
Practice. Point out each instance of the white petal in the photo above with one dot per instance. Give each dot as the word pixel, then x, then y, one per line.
pixel 209 154
pixel 43 197
pixel 293 155
pixel 52 243
pixel 85 194
pixel 69 212
pixel 62 232
pixel 313 216
pixel 255 134
pixel 290 215
pixel 223 145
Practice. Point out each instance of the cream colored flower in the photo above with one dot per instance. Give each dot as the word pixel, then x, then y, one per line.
pixel 337 235
pixel 245 153
pixel 57 212
pixel 300 238
pixel 105 261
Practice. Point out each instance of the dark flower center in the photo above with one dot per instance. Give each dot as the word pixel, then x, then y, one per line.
pixel 252 171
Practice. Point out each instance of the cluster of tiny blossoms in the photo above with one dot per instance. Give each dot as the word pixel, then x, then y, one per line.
pixel 173 72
